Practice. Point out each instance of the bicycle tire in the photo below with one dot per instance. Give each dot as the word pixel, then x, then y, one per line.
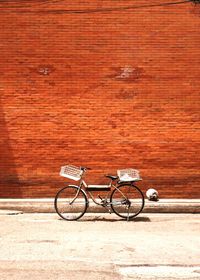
pixel 68 206
pixel 132 199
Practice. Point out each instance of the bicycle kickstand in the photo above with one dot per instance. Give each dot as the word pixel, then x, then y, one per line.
pixel 128 216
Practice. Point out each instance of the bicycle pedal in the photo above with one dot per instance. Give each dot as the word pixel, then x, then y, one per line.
pixel 104 203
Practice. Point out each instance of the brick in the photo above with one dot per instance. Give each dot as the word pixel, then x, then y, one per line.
pixel 107 90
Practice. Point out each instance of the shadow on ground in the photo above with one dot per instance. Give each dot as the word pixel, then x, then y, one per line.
pixel 103 219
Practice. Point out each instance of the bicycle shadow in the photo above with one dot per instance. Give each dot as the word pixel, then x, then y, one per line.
pixel 101 218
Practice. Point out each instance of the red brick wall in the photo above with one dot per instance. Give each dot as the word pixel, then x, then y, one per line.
pixel 106 89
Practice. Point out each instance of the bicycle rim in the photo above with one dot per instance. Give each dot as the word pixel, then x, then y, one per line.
pixel 127 201
pixel 70 203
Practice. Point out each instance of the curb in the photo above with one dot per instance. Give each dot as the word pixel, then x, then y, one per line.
pixel 46 205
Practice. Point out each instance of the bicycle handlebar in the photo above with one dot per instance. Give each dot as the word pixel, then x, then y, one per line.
pixel 85 168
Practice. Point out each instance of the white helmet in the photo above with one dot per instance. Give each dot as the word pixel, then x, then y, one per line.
pixel 152 194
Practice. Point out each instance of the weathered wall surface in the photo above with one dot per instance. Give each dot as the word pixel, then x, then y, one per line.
pixel 108 89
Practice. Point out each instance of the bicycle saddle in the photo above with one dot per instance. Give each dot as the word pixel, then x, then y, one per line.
pixel 112 177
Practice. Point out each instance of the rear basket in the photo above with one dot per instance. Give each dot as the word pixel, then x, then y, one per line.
pixel 128 175
pixel 71 172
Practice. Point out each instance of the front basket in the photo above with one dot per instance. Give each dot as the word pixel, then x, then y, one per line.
pixel 71 172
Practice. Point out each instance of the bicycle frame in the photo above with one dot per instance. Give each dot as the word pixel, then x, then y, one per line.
pixel 104 201
pixel 120 197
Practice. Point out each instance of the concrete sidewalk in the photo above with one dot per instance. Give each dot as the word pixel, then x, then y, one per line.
pixel 46 205
pixel 100 246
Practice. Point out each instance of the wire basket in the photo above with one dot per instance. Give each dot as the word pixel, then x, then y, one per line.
pixel 71 172
pixel 128 175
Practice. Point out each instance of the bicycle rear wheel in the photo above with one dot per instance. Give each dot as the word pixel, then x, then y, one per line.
pixel 71 203
pixel 127 201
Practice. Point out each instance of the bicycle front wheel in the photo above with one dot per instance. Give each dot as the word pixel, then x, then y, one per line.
pixel 71 203
pixel 127 201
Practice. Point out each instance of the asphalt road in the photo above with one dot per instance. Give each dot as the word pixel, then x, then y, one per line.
pixel 99 246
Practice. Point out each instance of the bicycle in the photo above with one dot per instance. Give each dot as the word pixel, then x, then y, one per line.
pixel 122 197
